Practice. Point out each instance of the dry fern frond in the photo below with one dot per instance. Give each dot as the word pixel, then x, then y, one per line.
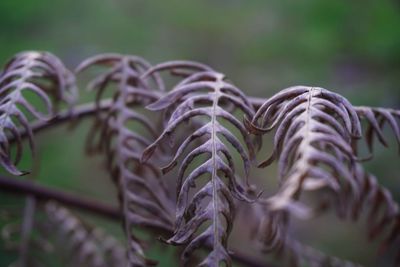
pixel 376 119
pixel 143 196
pixel 204 93
pixel 87 246
pixel 313 145
pixel 58 231
pixel 41 74
pixel 17 234
pixel 315 129
pixel 383 213
pixel 272 234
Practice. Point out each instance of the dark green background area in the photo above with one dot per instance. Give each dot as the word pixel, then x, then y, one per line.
pixel 351 47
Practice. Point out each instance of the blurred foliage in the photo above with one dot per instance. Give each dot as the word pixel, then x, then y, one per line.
pixel 352 47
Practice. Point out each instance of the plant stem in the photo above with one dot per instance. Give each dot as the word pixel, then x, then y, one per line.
pixel 26 187
pixel 86 110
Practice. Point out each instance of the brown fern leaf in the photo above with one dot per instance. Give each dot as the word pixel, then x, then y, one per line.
pixel 42 74
pixel 383 213
pixel 88 246
pixel 315 128
pixel 376 119
pixel 143 196
pixel 204 93
pixel 272 234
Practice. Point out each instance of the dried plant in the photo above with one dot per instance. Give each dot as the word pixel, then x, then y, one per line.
pixel 211 131
pixel 54 230
pixel 143 198
pixel 272 233
pixel 204 93
pixel 42 74
pixel 315 131
pixel 312 143
pixel 85 245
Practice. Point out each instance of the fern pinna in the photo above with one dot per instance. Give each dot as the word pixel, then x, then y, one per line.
pixel 212 131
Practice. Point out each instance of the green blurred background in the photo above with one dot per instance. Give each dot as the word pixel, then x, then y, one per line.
pixel 352 47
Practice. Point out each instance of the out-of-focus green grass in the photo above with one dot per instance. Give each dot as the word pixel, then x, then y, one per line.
pixel 263 46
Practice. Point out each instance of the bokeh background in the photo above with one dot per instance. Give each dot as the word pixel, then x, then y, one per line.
pixel 351 47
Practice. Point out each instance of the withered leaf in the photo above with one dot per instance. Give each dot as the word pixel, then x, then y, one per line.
pixel 206 94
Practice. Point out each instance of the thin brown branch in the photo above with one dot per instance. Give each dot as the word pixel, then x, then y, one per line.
pixel 43 193
pixel 80 112
pixel 87 110
pixel 25 187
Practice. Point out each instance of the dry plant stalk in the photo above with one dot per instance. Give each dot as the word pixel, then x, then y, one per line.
pixel 210 130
